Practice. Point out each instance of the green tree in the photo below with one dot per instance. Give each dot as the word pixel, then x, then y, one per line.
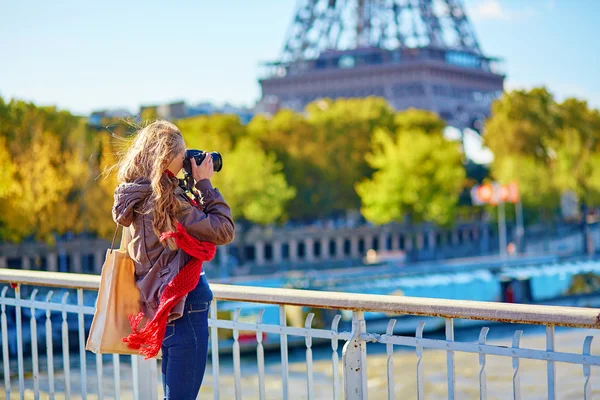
pixel 42 149
pixel 522 123
pixel 254 184
pixel 519 133
pixel 547 147
pixel 323 151
pixel 98 192
pixel 23 122
pixel 251 179
pixel 343 130
pixel 418 173
pixel 9 189
pixel 292 139
pixel 218 132
pixel 48 201
pixel 576 151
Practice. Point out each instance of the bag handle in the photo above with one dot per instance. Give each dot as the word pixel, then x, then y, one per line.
pixel 125 238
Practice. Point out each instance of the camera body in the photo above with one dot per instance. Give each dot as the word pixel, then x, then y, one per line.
pixel 199 156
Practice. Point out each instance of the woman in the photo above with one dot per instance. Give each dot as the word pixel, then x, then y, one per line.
pixel 150 202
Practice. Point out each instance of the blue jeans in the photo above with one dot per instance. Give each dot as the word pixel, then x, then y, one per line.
pixel 185 346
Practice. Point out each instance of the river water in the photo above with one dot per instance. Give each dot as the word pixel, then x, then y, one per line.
pixel 569 381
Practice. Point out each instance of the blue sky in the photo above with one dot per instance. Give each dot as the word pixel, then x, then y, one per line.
pixel 83 55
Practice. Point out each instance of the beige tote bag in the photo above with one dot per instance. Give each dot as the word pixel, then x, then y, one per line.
pixel 118 297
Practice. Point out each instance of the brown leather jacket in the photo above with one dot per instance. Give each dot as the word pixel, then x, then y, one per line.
pixel 156 265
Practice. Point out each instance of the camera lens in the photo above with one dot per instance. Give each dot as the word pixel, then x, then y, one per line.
pixel 217 161
pixel 199 156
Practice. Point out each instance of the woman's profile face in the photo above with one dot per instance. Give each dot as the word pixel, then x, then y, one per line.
pixel 177 163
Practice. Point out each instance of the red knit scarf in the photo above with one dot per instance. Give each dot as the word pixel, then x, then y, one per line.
pixel 148 339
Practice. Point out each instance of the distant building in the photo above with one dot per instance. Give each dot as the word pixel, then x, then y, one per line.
pixel 173 111
pixel 418 54
pixel 243 113
pixel 96 117
pixel 169 111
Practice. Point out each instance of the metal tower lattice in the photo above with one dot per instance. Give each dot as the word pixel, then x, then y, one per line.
pixel 321 25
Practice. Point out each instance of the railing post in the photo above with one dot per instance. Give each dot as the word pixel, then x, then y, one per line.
pixel 145 378
pixel 354 358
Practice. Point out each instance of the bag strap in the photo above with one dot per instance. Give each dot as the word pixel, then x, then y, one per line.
pixel 125 238
pixel 112 244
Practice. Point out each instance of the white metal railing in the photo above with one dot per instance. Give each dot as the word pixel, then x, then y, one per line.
pixel 352 383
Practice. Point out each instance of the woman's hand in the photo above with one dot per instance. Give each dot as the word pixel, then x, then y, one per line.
pixel 204 170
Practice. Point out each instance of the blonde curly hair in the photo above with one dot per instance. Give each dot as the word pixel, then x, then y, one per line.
pixel 152 150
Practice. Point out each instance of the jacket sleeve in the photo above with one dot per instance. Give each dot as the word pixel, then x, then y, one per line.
pixel 212 222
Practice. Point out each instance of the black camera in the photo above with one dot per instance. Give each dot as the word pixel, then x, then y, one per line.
pixel 199 156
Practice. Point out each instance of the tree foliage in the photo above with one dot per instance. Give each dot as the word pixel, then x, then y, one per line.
pixel 100 185
pixel 547 147
pixel 323 151
pixel 337 155
pixel 42 150
pixel 251 179
pixel 254 183
pixel 418 173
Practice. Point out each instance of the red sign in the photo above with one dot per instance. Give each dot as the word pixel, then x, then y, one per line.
pixel 494 193
pixel 513 192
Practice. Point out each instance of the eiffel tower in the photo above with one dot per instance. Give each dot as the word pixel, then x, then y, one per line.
pixel 415 53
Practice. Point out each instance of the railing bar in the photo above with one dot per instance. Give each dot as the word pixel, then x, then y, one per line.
pixel 81 329
pixel 309 374
pixel 587 371
pixel 72 308
pixel 34 350
pixel 20 341
pixel 155 377
pixel 65 351
pixel 261 370
pixel 284 352
pixel 99 376
pixel 214 339
pixel 420 373
pixel 516 313
pixel 144 371
pixel 485 311
pixel 449 345
pixel 389 348
pixel 5 349
pixel 515 364
pixel 288 330
pixel 50 347
pixel 135 372
pixel 482 360
pixel 335 360
pixel 65 280
pixel 450 358
pixel 309 358
pixel 569 358
pixel 260 357
pixel 425 343
pixel 117 376
pixel 550 364
pixel 236 357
